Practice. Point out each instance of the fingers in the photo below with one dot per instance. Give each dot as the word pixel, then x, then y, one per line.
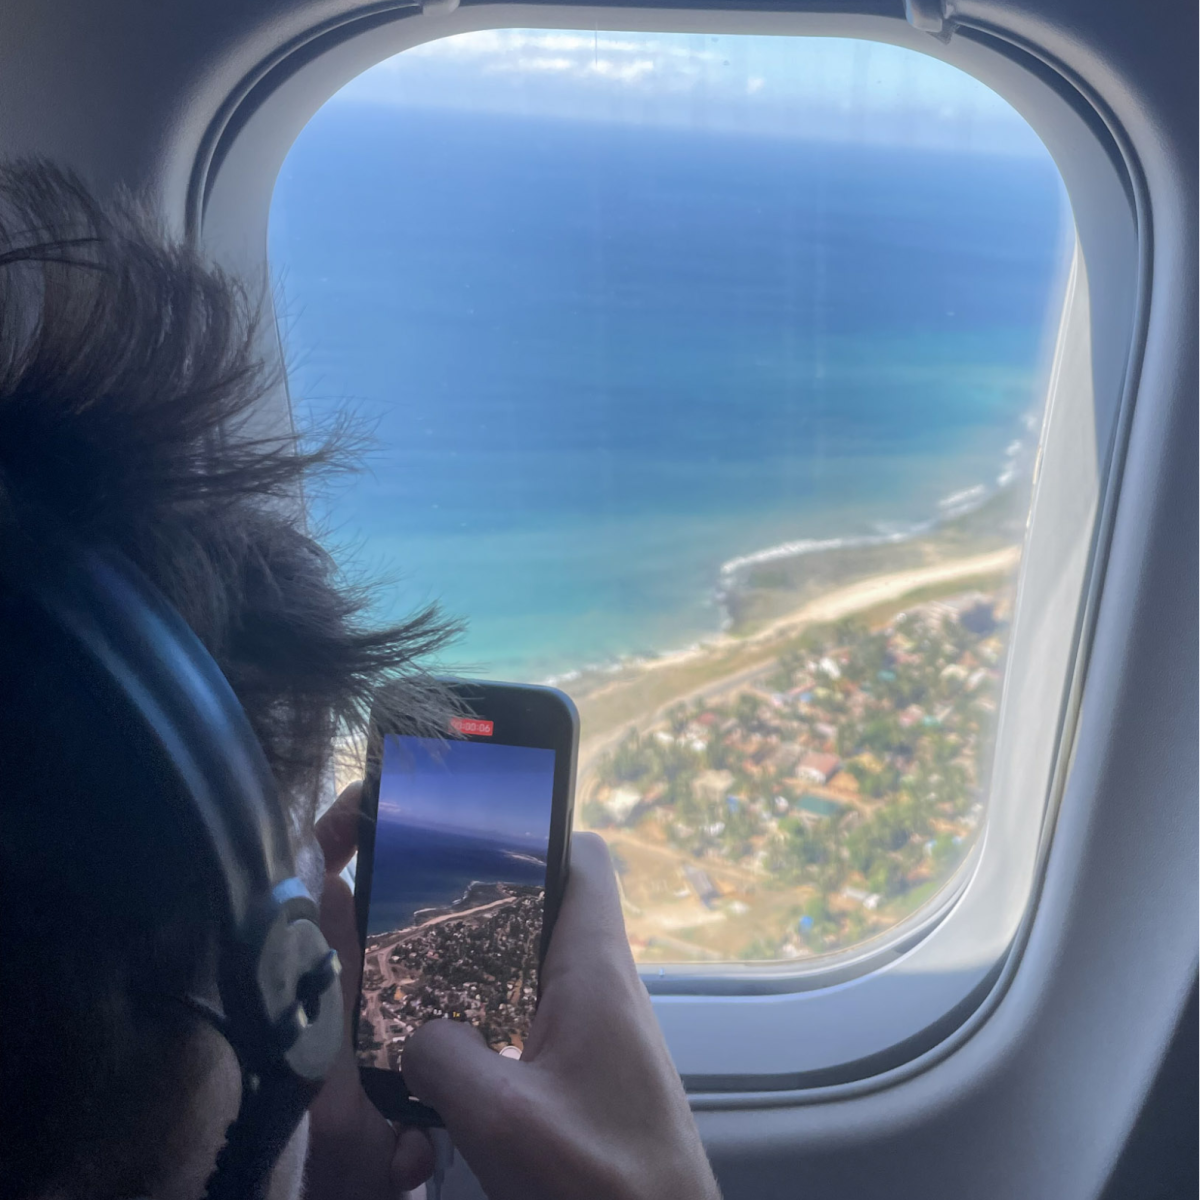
pixel 412 1163
pixel 590 920
pixel 589 981
pixel 591 906
pixel 448 1065
pixel 337 830
pixel 352 1149
pixel 489 1104
pixel 594 1107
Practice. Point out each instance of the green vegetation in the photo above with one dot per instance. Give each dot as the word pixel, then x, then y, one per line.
pixel 846 773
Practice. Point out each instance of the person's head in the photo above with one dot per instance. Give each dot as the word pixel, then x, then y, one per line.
pixel 130 382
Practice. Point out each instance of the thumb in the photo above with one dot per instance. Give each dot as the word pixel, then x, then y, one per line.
pixel 448 1065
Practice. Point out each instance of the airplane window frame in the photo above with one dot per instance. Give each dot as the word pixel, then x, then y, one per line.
pixel 868 1018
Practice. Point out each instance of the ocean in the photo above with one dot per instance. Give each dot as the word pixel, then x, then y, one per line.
pixel 417 867
pixel 602 361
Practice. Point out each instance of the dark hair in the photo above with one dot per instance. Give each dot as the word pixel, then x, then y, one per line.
pixel 131 396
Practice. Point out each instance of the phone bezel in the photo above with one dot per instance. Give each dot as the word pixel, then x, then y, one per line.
pixel 522 715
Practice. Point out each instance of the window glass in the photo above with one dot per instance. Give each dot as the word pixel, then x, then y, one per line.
pixel 706 375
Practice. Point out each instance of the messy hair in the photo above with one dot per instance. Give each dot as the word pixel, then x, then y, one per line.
pixel 131 389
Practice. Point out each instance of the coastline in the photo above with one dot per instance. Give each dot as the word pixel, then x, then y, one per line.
pixel 644 690
pixel 687 895
pixel 638 692
pixel 813 785
pixel 859 597
pixel 762 588
pixel 770 598
pixel 773 595
pixel 844 602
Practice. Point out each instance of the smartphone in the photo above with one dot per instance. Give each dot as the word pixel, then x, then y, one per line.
pixel 462 862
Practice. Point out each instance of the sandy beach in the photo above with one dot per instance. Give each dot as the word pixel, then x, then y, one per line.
pixel 646 689
pixel 668 919
pixel 865 595
pixel 643 690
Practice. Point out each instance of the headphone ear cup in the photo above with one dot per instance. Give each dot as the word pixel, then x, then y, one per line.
pixel 299 987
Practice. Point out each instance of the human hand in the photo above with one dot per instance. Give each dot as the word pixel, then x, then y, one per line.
pixel 594 1109
pixel 354 1153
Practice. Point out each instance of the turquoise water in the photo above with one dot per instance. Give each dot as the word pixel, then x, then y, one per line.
pixel 602 361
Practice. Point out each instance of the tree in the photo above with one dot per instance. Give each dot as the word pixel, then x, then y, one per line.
pixel 887 878
pixel 629 762
pixel 745 709
pixel 717 754
pixel 786 666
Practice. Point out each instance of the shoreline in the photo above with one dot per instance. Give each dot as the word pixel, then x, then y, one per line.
pixel 833 606
pixel 752 805
pixel 772 585
pixel 746 654
pixel 741 654
pixel 709 901
pixel 880 589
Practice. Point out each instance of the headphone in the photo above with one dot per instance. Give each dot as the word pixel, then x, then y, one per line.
pixel 281 999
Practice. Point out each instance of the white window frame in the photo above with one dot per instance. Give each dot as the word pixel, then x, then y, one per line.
pixel 752 1036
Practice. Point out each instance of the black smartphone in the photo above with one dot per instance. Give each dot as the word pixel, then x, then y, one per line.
pixel 462 862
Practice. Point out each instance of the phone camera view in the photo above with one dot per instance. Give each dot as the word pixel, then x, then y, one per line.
pixel 457 892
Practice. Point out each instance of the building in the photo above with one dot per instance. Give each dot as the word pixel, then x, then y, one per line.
pixel 818 767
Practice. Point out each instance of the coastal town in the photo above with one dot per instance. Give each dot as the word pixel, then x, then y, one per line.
pixel 475 961
pixel 818 801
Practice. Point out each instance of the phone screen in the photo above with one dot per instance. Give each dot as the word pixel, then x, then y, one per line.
pixel 457 891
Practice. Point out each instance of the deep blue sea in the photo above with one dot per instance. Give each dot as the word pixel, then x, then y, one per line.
pixel 418 867
pixel 602 360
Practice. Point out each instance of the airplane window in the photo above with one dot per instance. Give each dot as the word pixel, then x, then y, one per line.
pixel 707 375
